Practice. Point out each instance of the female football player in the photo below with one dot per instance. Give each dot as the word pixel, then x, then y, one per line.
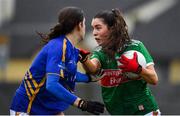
pixel 48 85
pixel 122 94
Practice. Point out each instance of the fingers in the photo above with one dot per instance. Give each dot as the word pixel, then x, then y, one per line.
pixel 135 55
pixel 124 57
pixel 122 67
pixel 125 70
pixel 100 107
pixel 123 61
pixel 82 51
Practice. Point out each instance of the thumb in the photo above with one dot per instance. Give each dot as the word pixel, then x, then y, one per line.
pixel 135 55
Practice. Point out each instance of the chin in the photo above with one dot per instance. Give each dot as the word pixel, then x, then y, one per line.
pixel 81 38
pixel 99 43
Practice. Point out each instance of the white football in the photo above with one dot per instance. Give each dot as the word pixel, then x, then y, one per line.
pixel 141 61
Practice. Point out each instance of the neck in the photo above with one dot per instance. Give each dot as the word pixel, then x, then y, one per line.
pixel 73 38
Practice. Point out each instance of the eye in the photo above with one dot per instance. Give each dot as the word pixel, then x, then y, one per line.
pixel 98 27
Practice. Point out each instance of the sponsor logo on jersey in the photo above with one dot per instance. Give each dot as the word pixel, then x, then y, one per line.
pixel 112 77
pixel 141 107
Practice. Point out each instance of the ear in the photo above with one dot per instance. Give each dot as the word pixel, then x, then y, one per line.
pixel 80 25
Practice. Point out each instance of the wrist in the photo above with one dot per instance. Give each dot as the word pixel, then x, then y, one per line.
pixel 139 69
pixel 84 59
pixel 89 78
pixel 76 102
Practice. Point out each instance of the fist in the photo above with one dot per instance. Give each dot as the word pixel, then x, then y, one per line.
pixel 83 55
pixel 130 65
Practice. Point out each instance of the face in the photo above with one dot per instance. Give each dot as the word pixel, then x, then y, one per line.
pixel 100 30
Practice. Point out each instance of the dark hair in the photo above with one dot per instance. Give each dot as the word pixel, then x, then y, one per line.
pixel 118 31
pixel 68 18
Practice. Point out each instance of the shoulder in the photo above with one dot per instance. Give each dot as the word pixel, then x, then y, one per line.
pixel 55 42
pixel 138 46
pixel 99 54
pixel 98 51
pixel 54 46
pixel 135 42
pixel 135 45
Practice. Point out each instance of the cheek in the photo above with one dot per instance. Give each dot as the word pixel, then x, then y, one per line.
pixel 83 30
pixel 104 33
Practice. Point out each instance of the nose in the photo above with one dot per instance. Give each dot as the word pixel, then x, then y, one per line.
pixel 94 32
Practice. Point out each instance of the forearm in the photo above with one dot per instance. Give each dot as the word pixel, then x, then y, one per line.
pixel 76 102
pixel 91 66
pixel 149 75
pixel 54 87
pixel 80 77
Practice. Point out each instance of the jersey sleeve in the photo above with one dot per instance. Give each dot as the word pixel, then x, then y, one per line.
pixel 80 77
pixel 139 46
pixel 97 53
pixel 146 54
pixel 55 55
pixel 54 87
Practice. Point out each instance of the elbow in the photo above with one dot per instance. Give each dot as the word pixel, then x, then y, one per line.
pixel 154 81
pixel 93 72
pixel 49 88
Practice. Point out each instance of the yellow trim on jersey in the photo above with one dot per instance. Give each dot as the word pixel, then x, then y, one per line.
pixel 63 56
pixel 33 81
pixel 29 83
pixel 27 91
pixel 64 50
pixel 56 74
pixel 53 74
pixel 34 95
pixel 29 86
pixel 61 73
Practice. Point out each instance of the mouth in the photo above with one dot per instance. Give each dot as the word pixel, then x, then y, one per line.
pixel 97 39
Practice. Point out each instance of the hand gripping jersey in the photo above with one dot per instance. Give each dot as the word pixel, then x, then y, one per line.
pixel 57 57
pixel 122 95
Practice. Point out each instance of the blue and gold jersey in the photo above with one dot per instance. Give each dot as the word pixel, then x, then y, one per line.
pixel 57 57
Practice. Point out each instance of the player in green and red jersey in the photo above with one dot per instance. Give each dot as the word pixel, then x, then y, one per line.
pixel 121 95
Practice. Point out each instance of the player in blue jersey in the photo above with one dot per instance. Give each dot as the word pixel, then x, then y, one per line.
pixel 47 87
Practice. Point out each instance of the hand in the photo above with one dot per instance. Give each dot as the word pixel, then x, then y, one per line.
pixel 95 77
pixel 83 54
pixel 91 106
pixel 100 72
pixel 89 78
pixel 130 65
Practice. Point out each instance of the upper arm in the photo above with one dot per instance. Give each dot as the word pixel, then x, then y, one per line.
pixel 151 67
pixel 96 63
pixel 55 55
